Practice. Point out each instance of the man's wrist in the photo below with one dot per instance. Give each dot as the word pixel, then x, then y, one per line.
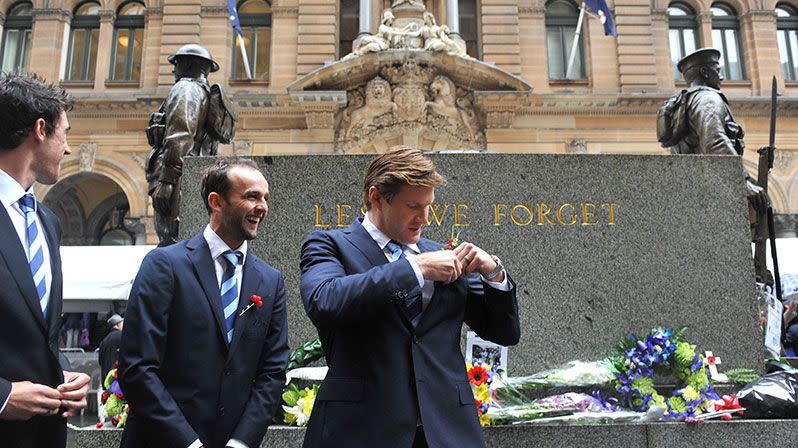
pixel 496 271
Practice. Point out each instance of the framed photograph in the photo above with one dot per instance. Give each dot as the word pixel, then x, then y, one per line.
pixel 485 351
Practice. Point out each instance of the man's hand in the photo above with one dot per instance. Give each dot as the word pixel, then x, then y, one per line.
pixel 28 399
pixel 73 392
pixel 162 197
pixel 475 259
pixel 757 197
pixel 440 265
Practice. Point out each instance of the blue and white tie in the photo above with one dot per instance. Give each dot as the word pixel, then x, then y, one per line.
pixel 229 290
pixel 27 204
pixel 413 304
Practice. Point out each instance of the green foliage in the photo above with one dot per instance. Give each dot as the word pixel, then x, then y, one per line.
pixel 684 354
pixel 741 375
pixel 678 404
pixel 302 356
pixel 291 394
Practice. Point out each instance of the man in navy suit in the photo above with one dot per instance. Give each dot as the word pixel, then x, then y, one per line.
pixel 35 394
pixel 389 307
pixel 204 347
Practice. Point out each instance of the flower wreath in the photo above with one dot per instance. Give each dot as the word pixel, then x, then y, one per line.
pixel 662 352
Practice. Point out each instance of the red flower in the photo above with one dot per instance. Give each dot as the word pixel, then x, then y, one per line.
pixel 104 397
pixel 256 300
pixel 99 424
pixel 477 375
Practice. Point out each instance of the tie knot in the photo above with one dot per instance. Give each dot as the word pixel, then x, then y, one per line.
pixel 27 203
pixel 396 250
pixel 233 258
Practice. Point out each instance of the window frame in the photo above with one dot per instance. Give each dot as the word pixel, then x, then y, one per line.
pixel 251 22
pixel 561 22
pixel 787 25
pixel 129 23
pixel 477 42
pixel 680 24
pixel 22 23
pixel 724 24
pixel 87 23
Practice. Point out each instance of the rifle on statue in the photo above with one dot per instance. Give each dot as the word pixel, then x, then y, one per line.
pixel 764 224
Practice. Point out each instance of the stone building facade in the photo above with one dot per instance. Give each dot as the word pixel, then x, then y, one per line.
pixel 513 96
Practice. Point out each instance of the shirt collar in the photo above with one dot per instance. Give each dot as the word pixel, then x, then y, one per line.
pixel 380 238
pixel 218 246
pixel 11 190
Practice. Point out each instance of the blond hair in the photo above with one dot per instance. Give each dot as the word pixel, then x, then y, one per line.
pixel 400 166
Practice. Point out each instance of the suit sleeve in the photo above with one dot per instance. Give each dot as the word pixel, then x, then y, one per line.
pixel 143 347
pixel 334 299
pixel 491 313
pixel 268 383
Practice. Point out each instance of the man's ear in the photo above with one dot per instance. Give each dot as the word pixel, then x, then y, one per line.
pixel 374 197
pixel 215 200
pixel 39 130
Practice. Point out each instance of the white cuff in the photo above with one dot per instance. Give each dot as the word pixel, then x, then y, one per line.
pixel 195 444
pixel 2 408
pixel 503 286
pixel 235 443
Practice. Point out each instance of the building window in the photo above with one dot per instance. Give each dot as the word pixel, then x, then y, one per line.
pixel 256 22
pixel 682 34
pixel 82 57
pixel 561 18
pixel 349 26
pixel 787 34
pixel 15 49
pixel 469 27
pixel 128 42
pixel 726 39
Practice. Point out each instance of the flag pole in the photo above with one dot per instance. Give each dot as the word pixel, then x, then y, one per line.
pixel 244 58
pixel 572 55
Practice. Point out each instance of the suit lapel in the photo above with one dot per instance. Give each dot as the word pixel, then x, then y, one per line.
pixel 200 256
pixel 14 255
pixel 251 283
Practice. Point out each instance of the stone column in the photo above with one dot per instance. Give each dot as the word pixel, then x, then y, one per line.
pixel 283 70
pixel 49 42
pixel 364 26
pixel 104 48
pixel 705 29
pixel 758 31
pixel 453 17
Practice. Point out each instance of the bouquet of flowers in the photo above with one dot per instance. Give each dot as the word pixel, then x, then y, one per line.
pixel 514 390
pixel 115 406
pixel 298 404
pixel 482 377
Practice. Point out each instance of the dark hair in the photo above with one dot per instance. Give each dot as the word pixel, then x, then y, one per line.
pixel 400 166
pixel 24 98
pixel 216 180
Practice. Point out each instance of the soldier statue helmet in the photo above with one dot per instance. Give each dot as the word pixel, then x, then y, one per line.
pixel 707 59
pixel 194 50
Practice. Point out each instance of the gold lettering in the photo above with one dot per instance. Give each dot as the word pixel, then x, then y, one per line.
pixel 363 210
pixel 319 224
pixel 610 206
pixel 342 215
pixel 543 211
pixel 497 214
pixel 528 212
pixel 573 215
pixel 458 215
pixel 586 215
pixel 434 215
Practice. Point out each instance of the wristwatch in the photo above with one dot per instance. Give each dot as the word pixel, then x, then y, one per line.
pixel 499 268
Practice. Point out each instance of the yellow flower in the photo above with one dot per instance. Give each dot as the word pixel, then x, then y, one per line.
pixel 482 393
pixel 484 420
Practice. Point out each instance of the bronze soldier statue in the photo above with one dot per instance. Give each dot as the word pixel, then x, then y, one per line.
pixel 192 120
pixel 698 120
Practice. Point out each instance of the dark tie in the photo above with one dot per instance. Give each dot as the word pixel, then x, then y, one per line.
pixel 27 204
pixel 229 290
pixel 413 304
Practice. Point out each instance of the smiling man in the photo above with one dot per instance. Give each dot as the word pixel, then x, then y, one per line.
pixel 389 307
pixel 205 341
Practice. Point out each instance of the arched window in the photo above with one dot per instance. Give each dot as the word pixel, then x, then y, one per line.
pixel 15 49
pixel 787 34
pixel 561 18
pixel 82 57
pixel 128 42
pixel 682 34
pixel 467 10
pixel 726 39
pixel 256 22
pixel 349 21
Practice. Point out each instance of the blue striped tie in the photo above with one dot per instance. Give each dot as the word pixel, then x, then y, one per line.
pixel 229 290
pixel 27 204
pixel 413 304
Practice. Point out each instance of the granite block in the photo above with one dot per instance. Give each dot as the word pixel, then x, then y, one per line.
pixel 600 245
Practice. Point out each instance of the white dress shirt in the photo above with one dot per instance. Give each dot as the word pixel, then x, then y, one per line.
pixel 10 193
pixel 218 247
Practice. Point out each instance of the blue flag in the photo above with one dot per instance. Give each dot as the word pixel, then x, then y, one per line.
pixel 231 8
pixel 600 7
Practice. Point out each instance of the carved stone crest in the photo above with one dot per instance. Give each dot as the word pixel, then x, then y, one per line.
pixel 88 150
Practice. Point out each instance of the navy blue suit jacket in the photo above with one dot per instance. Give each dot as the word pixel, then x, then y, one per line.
pixel 180 376
pixel 383 371
pixel 28 341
